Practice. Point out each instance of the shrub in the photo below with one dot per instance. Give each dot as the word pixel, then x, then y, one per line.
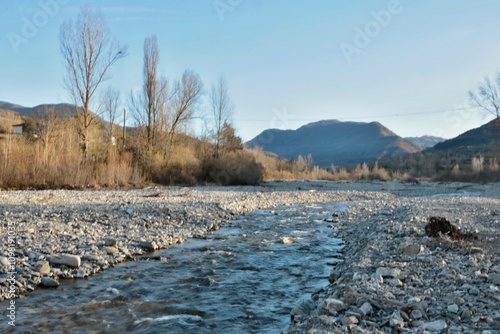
pixel 234 168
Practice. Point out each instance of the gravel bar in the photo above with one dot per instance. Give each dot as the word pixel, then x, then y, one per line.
pixel 394 278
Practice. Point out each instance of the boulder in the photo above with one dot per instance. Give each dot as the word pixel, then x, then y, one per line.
pixel 42 267
pixel 333 304
pixel 413 249
pixel 69 260
pixel 48 282
pixel 149 245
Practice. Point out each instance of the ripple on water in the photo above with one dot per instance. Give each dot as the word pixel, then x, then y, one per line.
pixel 244 278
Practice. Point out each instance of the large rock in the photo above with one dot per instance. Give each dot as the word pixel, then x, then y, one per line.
pixel 69 260
pixel 434 326
pixel 48 282
pixel 42 267
pixel 149 245
pixel 333 304
pixel 412 249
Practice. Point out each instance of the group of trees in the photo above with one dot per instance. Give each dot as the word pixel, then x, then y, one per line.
pixel 82 150
pixel 158 148
pixel 161 110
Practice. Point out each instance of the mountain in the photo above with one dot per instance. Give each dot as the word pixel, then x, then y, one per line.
pixel 334 142
pixel 477 141
pixel 425 141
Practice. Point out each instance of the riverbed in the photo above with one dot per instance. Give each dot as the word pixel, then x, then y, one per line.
pixel 244 278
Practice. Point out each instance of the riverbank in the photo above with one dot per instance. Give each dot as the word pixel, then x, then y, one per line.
pixel 101 228
pixel 54 234
pixel 394 278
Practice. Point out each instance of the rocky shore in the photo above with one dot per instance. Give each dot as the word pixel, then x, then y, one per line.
pixel 393 278
pixel 396 279
pixel 52 235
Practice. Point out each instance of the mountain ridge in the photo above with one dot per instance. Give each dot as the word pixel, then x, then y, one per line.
pixel 332 142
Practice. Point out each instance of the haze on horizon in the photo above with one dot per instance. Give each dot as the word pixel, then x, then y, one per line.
pixel 406 64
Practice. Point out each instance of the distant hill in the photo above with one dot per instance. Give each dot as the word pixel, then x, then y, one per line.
pixel 13 113
pixel 334 142
pixel 63 109
pixel 482 140
pixel 425 141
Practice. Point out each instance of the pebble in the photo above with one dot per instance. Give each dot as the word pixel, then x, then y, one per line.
pixel 366 308
pixel 494 278
pixel 43 267
pixel 334 304
pixel 413 249
pixel 4 261
pixel 434 326
pixel 350 320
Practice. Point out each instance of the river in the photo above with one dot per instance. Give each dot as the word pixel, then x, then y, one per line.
pixel 244 278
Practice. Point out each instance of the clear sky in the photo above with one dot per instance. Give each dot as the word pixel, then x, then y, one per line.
pixel 407 64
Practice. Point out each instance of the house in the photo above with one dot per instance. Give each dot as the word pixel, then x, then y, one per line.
pixel 17 128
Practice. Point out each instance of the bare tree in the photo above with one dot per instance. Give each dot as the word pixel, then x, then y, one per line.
pixel 150 105
pixel 89 51
pixel 110 102
pixel 185 99
pixel 487 96
pixel 222 110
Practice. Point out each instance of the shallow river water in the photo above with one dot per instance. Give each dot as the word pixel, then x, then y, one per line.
pixel 244 278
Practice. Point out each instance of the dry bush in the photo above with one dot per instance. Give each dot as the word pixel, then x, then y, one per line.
pixel 361 172
pixel 30 163
pixel 179 166
pixel 234 168
pixel 378 173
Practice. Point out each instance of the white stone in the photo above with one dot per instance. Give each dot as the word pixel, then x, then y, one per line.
pixel 42 267
pixel 69 260
pixel 366 308
pixel 377 278
pixel 333 304
pixel 350 320
pixel 453 308
pixel 388 272
pixel 4 261
pixel 112 250
pixel 434 326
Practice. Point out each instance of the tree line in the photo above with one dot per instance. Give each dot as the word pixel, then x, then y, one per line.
pixel 84 150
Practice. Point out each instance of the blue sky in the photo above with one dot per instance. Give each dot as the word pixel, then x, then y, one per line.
pixel 407 64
